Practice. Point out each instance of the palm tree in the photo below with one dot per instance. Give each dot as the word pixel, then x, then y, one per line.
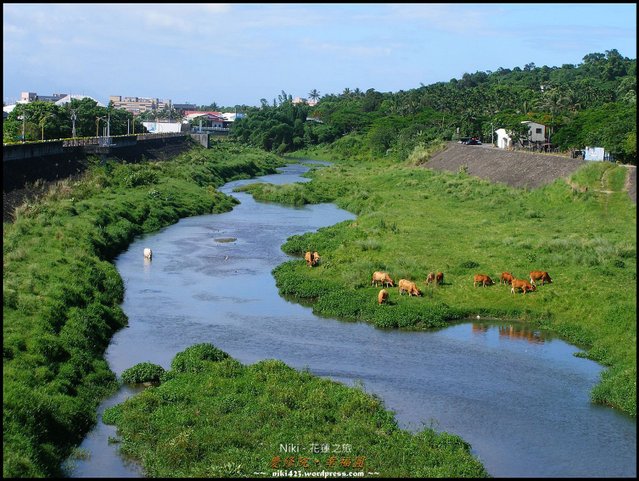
pixel 314 94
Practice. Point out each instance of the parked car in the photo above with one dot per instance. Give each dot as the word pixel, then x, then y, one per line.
pixel 473 142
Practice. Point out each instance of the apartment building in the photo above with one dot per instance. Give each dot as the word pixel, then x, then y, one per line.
pixel 26 97
pixel 137 105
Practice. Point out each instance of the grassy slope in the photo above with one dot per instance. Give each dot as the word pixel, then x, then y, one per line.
pixel 61 294
pixel 214 417
pixel 412 220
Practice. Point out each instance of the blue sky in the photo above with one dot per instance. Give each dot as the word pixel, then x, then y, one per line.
pixel 239 53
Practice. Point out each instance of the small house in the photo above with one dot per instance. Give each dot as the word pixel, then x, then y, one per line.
pixel 536 136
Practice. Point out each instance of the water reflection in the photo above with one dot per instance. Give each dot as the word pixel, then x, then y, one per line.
pixel 513 330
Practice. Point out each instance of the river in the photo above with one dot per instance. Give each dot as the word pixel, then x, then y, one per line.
pixel 520 397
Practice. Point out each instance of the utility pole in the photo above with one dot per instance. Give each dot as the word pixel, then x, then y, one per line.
pixel 73 119
pixel 24 120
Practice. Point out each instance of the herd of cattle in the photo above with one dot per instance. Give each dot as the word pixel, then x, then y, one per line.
pixel 410 287
pixel 383 280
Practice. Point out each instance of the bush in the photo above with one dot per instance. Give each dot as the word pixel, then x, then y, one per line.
pixel 143 372
pixel 191 359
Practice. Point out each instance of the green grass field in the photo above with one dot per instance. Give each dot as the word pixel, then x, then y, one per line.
pixel 62 295
pixel 214 417
pixel 412 220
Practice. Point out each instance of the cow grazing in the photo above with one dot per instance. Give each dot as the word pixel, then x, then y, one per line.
pixel 312 259
pixel 506 278
pixel 148 254
pixel 383 278
pixel 382 297
pixel 540 275
pixel 482 279
pixel 408 286
pixel 439 278
pixel 522 284
pixel 430 278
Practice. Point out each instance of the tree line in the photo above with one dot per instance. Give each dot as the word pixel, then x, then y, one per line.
pixel 41 120
pixel 589 104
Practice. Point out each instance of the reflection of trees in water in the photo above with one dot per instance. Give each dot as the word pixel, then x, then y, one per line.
pixel 512 331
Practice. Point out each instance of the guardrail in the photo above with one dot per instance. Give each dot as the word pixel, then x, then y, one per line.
pixel 80 141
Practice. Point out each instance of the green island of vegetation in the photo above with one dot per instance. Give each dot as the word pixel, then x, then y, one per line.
pixel 210 416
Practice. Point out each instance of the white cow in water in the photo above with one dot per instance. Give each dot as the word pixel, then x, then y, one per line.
pixel 148 254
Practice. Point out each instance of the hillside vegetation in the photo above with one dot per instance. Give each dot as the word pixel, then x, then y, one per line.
pixel 590 104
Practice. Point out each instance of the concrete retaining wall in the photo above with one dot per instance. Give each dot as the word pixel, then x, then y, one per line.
pixel 25 163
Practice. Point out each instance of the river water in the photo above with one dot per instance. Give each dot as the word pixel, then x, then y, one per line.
pixel 519 397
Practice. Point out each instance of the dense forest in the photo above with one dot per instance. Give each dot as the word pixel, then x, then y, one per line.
pixel 590 104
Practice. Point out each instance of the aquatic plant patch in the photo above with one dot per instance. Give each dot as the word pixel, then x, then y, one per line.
pixel 220 418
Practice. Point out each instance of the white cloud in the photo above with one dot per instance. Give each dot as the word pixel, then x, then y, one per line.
pixel 345 50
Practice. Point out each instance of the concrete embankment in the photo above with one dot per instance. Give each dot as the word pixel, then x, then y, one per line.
pixel 517 169
pixel 29 169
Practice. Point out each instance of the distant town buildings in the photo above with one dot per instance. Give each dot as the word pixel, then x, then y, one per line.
pixel 300 100
pixel 58 99
pixel 202 121
pixel 138 105
pixel 210 121
pixel 26 97
pixel 184 107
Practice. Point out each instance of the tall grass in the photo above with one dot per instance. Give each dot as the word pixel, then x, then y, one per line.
pixel 61 294
pixel 214 417
pixel 413 221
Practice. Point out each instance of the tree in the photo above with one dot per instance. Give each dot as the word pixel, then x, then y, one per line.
pixel 314 94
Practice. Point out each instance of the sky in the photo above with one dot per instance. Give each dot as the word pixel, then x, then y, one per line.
pixel 239 53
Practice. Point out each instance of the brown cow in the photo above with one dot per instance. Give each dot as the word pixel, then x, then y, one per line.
pixel 522 284
pixel 436 278
pixel 410 287
pixel 482 279
pixel 540 275
pixel 308 257
pixel 382 296
pixel 506 278
pixel 312 259
pixel 383 278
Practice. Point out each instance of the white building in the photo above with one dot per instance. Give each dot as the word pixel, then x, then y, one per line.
pixel 536 132
pixel 594 153
pixel 66 99
pixel 503 139
pixel 536 135
pixel 163 127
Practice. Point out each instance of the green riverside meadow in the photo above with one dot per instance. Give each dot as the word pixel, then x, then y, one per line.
pixel 62 293
pixel 412 220
pixel 211 416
